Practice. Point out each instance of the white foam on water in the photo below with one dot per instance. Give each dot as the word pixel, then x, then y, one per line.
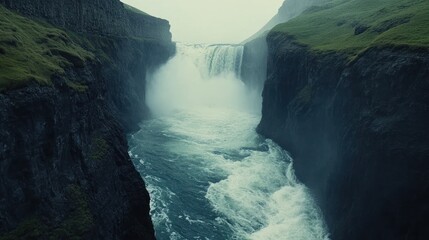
pixel 207 118
pixel 261 199
pixel 160 203
pixel 292 214
pixel 259 196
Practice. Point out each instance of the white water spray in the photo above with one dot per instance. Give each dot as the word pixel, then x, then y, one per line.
pixel 210 175
pixel 201 76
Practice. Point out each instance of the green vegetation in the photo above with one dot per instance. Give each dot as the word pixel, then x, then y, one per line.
pixel 77 86
pixel 133 9
pixel 352 26
pixel 34 51
pixel 99 148
pixel 78 222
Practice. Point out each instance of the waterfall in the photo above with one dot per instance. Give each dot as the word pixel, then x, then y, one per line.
pixel 214 60
pixel 201 76
pixel 224 58
pixel 210 175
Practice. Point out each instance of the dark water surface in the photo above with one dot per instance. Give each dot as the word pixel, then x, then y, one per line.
pixel 211 176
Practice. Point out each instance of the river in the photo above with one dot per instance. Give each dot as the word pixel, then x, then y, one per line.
pixel 209 174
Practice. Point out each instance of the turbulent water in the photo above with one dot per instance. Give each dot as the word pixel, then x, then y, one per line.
pixel 210 175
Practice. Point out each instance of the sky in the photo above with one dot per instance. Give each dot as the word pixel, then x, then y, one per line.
pixel 211 21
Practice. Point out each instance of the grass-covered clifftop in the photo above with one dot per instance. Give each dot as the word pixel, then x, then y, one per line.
pixel 71 78
pixel 355 25
pixel 34 51
pixel 36 45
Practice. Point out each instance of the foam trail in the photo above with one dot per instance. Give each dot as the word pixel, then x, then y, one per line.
pixel 210 175
pixel 262 199
pixel 213 177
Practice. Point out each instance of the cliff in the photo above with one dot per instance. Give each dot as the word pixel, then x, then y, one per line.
pixel 99 17
pixel 254 68
pixel 354 115
pixel 69 93
pixel 288 10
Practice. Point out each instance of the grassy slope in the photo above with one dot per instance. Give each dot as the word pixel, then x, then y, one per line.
pixel 331 27
pixel 33 51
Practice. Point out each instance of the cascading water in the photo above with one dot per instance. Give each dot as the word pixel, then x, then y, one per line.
pixel 209 174
pixel 201 76
pixel 220 59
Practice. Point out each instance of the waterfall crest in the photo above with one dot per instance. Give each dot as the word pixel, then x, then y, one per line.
pixel 224 58
pixel 214 60
pixel 201 76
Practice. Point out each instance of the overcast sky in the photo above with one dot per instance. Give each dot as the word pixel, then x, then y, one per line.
pixel 211 21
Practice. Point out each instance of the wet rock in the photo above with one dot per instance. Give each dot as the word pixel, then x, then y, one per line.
pixel 357 132
pixel 64 167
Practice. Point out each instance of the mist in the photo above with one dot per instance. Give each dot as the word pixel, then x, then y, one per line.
pixel 211 21
pixel 201 76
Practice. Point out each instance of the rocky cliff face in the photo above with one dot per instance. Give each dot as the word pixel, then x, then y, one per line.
pixel 99 17
pixel 357 130
pixel 64 166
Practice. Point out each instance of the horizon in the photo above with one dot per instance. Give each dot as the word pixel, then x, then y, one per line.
pixel 230 28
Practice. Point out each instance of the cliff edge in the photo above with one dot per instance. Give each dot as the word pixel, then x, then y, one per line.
pixel 72 80
pixel 346 94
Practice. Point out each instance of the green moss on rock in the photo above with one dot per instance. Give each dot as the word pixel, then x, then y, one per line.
pixel 77 86
pixel 34 51
pixel 352 26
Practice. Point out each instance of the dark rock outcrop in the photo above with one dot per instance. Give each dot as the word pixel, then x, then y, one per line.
pixel 65 172
pixel 99 17
pixel 56 138
pixel 358 131
pixel 128 61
